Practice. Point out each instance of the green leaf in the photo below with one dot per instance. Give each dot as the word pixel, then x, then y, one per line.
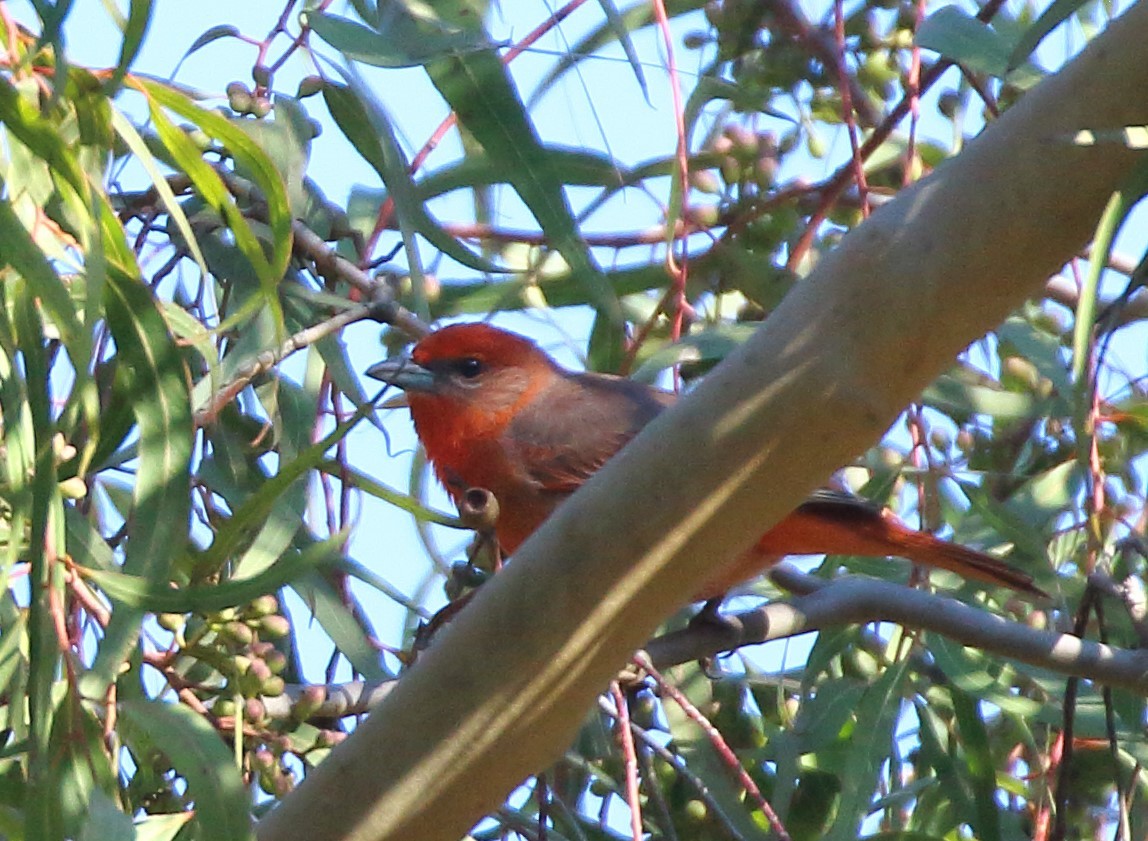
pixel 979 766
pixel 1041 349
pixel 82 771
pixel 867 750
pixel 825 714
pixel 937 752
pixel 372 579
pixel 1053 15
pixel 693 744
pixel 13 663
pixel 251 159
pixel 712 345
pixel 151 166
pixel 137 592
pixel 139 18
pixel 45 519
pixel 617 24
pixel 960 398
pixel 1039 500
pixel 286 141
pixel 1029 512
pixel 572 166
pixel 25 257
pixel 25 121
pixel 635 17
pixel 403 39
pixel 161 827
pixel 979 676
pixel 105 822
pixel 86 546
pixel 335 617
pixel 163 413
pixel 258 510
pixel 198 755
pixel 1116 213
pixel 160 401
pixel 479 90
pixel 961 38
pixel 366 124
pixel 404 502
pixel 215 33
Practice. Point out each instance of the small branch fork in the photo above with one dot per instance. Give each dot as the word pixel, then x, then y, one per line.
pixel 268 359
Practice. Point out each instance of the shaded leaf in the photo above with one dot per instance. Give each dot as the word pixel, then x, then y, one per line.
pixel 960 37
pixel 105 822
pixel 972 673
pixel 199 755
pixel 23 255
pixel 340 624
pixel 369 129
pixel 868 749
pixel 137 592
pixel 479 90
pixel 979 765
pixel 161 827
pixel 159 400
pixel 1054 14
pixel 403 38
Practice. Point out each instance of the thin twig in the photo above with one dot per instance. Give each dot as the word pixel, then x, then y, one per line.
pixel 268 359
pixel 725 752
pixel 329 264
pixel 629 758
pixel 680 766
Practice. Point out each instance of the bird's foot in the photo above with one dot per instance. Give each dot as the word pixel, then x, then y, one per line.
pixel 711 617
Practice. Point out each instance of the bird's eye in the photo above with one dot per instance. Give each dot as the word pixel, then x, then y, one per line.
pixel 469 367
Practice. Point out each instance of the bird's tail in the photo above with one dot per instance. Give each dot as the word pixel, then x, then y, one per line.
pixel 839 524
pixel 922 548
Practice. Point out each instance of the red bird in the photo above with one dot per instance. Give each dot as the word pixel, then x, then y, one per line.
pixel 493 411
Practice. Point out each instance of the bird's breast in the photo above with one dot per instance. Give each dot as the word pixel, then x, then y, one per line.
pixel 490 464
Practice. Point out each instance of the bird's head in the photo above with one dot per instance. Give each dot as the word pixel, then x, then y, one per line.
pixel 468 379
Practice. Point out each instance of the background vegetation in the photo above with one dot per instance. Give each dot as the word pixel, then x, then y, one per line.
pixel 167 490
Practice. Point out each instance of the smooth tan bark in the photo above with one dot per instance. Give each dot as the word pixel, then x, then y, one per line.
pixel 501 694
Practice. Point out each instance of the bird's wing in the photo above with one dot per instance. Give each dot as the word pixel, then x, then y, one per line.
pixel 840 503
pixel 587 419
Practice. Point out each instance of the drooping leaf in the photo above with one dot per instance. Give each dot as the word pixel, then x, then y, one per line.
pixel 367 126
pixel 345 630
pixel 402 39
pixel 251 158
pixel 959 37
pixel 139 19
pixel 22 254
pixel 199 756
pixel 479 90
pixel 136 592
pixel 162 410
pixel 876 718
pixel 1054 14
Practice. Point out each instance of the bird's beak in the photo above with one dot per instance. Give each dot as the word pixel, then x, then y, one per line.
pixel 404 374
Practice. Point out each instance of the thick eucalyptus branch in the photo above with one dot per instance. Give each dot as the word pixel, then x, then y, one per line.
pixel 505 688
